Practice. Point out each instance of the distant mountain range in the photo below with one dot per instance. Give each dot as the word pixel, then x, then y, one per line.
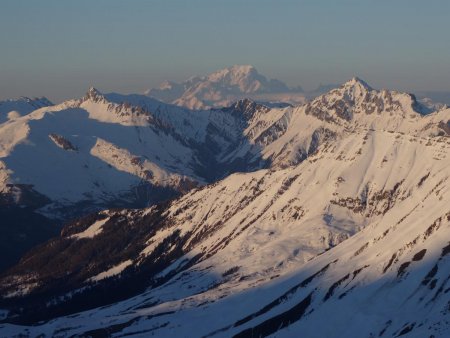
pixel 225 86
pixel 327 219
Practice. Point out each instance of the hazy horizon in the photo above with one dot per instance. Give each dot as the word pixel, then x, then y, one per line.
pixel 59 49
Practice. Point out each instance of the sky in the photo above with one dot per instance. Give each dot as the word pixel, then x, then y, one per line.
pixel 59 48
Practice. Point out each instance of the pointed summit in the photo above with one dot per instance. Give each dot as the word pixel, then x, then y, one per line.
pixel 355 97
pixel 93 94
pixel 357 82
pixel 92 91
pixel 246 108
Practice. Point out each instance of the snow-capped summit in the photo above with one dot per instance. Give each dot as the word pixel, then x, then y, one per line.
pixel 221 88
pixel 247 79
pixel 93 95
pixel 92 92
pixel 356 97
pixel 356 82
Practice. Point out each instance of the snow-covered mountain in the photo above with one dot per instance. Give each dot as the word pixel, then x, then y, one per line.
pixel 78 151
pixel 112 149
pixel 225 86
pixel 342 232
pixel 131 150
pixel 108 150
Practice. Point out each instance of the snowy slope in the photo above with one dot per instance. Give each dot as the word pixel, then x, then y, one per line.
pixel 225 86
pixel 349 223
pixel 11 109
pixel 92 150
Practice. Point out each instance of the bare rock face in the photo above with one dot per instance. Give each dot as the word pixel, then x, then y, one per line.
pixel 94 95
pixel 62 142
pixel 445 127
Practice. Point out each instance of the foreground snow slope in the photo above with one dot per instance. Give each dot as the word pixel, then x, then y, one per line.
pixel 350 223
pixel 390 279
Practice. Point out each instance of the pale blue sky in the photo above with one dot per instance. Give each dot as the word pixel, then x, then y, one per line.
pixel 58 48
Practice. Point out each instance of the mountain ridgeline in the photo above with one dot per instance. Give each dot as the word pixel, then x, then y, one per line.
pixel 281 218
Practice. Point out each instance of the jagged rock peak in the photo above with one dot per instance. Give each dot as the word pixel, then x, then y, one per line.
pixel 245 102
pixel 93 91
pixel 93 94
pixel 246 107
